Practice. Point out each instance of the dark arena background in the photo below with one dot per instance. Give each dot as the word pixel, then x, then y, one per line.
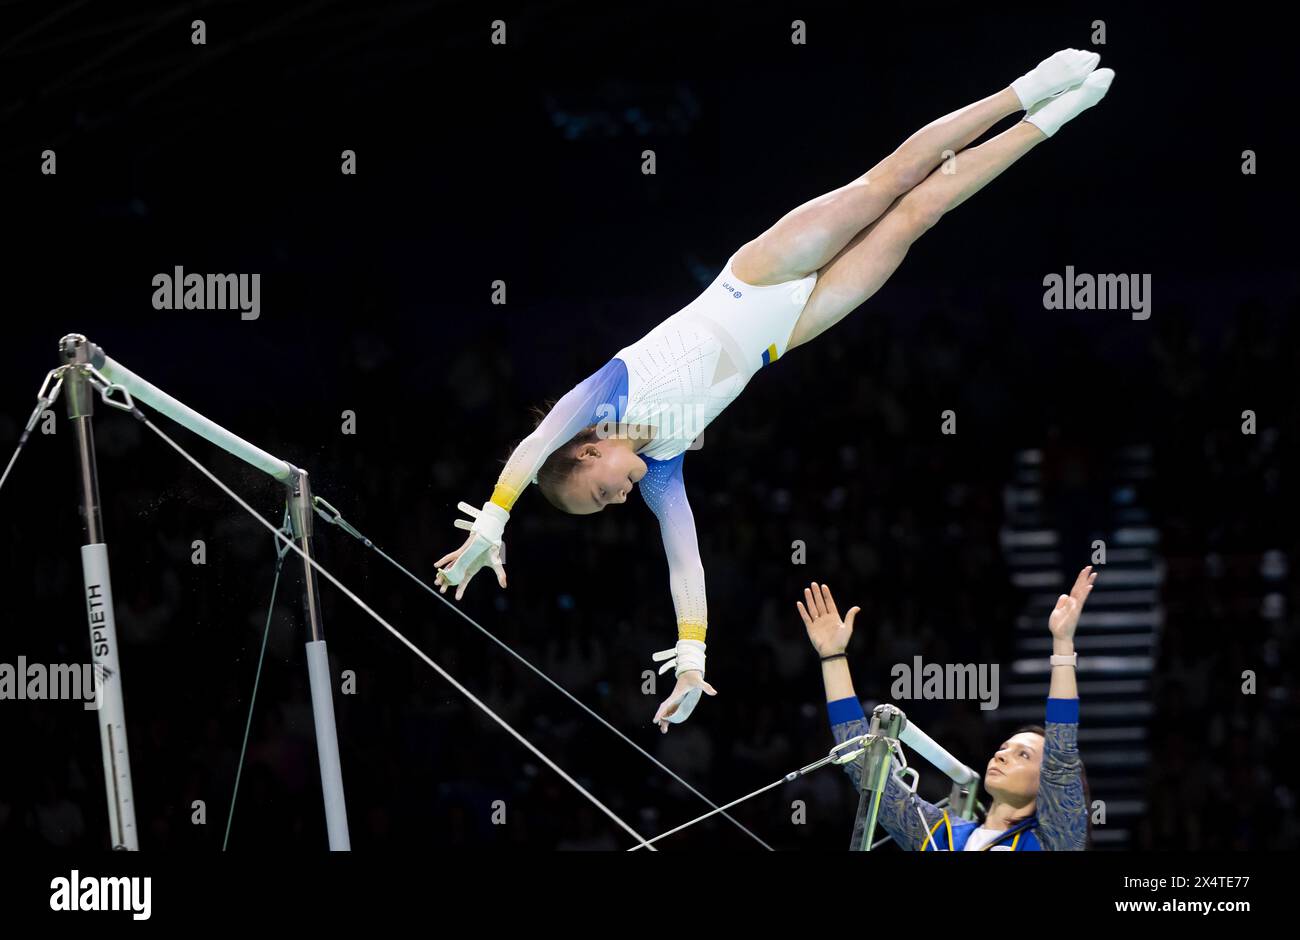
pixel 382 361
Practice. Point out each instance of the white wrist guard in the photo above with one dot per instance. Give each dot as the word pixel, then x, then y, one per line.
pixel 688 654
pixel 489 522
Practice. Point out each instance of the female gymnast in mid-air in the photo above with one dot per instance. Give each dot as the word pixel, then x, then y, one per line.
pixel 632 420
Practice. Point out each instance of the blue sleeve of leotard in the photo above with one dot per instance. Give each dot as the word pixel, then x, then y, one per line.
pixel 601 396
pixel 664 491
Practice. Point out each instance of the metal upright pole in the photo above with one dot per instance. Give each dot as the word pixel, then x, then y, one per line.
pixel 318 669
pixel 886 723
pixel 75 353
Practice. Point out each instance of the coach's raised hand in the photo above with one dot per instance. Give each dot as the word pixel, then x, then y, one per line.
pixel 1064 619
pixel 828 633
pixel 830 638
pixel 484 547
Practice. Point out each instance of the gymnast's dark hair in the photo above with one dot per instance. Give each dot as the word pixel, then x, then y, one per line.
pixel 1083 775
pixel 563 461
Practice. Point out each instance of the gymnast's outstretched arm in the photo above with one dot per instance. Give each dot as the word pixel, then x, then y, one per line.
pixel 664 491
pixel 582 406
pixel 903 814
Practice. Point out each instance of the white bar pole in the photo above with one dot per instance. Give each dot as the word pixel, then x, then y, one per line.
pixel 930 749
pixel 183 415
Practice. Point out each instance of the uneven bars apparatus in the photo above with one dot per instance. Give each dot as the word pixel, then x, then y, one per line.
pixel 889 728
pixel 83 364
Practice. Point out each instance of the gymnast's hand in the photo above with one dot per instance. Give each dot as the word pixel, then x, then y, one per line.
pixel 677 707
pixel 1065 616
pixel 485 546
pixel 829 634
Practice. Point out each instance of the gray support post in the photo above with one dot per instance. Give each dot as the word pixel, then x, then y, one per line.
pixel 75 352
pixel 322 689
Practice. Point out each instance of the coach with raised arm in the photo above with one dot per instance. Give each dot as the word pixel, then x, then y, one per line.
pixel 1035 779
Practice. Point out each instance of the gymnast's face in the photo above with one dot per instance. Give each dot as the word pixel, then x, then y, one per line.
pixel 1012 774
pixel 607 470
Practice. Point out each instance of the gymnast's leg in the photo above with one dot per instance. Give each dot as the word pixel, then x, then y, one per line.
pixel 864 264
pixel 808 237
